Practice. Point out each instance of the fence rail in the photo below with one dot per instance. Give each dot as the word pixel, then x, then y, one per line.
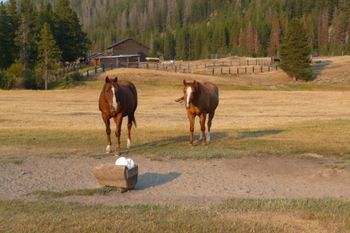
pixel 224 68
pixel 232 67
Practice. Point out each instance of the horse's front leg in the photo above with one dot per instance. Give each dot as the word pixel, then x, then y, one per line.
pixel 191 118
pixel 202 118
pixel 108 133
pixel 118 122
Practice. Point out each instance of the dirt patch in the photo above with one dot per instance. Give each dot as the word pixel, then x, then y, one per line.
pixel 185 182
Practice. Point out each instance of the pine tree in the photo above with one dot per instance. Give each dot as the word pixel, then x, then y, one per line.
pixel 295 52
pixel 45 15
pixel 72 41
pixel 15 21
pixel 26 35
pixel 275 38
pixel 323 34
pixel 169 46
pixel 49 55
pixel 5 40
pixel 180 44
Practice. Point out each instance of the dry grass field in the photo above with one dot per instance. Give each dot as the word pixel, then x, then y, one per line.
pixel 263 118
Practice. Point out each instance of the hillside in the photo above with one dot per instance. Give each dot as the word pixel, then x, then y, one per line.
pixel 195 29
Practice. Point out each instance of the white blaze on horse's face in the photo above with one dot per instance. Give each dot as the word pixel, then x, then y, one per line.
pixel 188 96
pixel 115 104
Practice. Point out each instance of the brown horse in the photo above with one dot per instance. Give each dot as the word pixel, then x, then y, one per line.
pixel 117 100
pixel 200 99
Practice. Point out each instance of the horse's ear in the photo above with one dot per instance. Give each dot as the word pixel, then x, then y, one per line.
pixel 107 79
pixel 115 79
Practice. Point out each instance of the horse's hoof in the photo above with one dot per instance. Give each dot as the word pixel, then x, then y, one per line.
pixel 108 149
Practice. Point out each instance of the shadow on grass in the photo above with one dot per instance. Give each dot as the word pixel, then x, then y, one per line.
pixel 258 133
pixel 149 180
pixel 318 67
pixel 174 140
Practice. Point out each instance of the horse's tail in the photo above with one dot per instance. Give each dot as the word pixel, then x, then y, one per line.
pixel 134 120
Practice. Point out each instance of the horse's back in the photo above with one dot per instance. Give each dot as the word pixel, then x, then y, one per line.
pixel 212 91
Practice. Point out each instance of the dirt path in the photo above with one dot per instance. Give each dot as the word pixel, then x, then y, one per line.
pixel 187 182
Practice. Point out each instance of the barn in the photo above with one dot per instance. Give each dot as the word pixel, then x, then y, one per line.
pixel 125 53
pixel 127 47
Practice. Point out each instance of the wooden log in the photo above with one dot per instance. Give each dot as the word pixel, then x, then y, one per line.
pixel 116 176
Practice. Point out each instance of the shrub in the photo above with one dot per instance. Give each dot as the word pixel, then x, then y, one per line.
pixel 16 69
pixel 7 80
pixel 32 80
pixel 76 76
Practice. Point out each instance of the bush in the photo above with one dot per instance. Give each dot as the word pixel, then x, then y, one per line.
pixel 7 80
pixel 16 69
pixel 76 76
pixel 32 80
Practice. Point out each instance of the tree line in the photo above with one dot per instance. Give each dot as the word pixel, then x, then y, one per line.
pixel 37 39
pixel 194 29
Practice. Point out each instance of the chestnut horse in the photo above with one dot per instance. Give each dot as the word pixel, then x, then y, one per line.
pixel 200 99
pixel 117 100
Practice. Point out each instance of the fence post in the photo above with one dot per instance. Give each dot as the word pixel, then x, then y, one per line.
pixel 95 69
pixel 87 73
pixel 269 68
pixel 253 69
pixel 229 70
pixel 237 71
pixel 221 70
pixel 245 69
pixel 261 68
pixel 213 71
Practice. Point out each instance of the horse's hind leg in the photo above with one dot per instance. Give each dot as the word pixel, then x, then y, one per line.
pixel 108 133
pixel 202 123
pixel 211 116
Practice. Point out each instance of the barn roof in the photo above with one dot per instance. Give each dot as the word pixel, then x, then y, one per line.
pixel 121 56
pixel 123 41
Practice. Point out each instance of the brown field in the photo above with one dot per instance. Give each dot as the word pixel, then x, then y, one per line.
pixel 285 145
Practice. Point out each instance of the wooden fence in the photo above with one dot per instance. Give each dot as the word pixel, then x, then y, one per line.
pixel 231 67
pixel 228 67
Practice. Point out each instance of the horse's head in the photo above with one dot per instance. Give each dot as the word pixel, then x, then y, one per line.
pixel 190 89
pixel 110 91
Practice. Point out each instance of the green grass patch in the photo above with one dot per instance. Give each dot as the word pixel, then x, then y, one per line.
pixel 78 192
pixel 237 215
pixel 320 137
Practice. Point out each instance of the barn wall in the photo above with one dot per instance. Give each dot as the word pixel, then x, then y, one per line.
pixel 129 47
pixel 122 62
